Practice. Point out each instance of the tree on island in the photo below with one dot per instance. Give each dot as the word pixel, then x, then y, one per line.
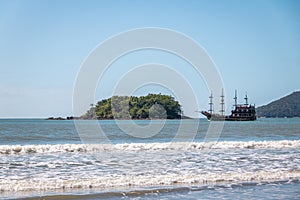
pixel 155 106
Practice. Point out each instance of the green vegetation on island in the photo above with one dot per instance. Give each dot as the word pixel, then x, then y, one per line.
pixel 152 106
pixel 288 106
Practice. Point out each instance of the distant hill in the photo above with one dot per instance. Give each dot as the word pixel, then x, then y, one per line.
pixel 288 106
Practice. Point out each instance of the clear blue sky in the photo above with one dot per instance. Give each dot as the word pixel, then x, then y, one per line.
pixel 255 45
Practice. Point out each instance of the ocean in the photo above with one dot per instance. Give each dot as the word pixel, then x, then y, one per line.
pixel 60 159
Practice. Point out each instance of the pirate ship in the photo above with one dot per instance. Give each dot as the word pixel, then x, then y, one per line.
pixel 241 112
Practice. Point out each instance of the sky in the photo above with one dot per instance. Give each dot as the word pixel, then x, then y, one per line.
pixel 43 44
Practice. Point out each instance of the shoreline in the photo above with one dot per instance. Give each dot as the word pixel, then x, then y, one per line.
pixel 150 191
pixel 79 118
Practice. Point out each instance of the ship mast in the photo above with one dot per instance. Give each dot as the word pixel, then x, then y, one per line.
pixel 235 99
pixel 246 99
pixel 211 104
pixel 222 104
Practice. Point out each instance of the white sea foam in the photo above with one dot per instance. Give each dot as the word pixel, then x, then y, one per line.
pixel 37 184
pixel 27 149
pixel 23 149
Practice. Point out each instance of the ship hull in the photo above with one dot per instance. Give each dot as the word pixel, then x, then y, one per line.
pixel 213 117
pixel 229 118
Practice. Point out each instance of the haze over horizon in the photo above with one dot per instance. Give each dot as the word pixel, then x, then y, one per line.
pixel 254 44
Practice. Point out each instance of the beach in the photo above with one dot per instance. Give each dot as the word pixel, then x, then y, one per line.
pixel 48 159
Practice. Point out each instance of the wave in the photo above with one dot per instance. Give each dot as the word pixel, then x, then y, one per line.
pixel 57 148
pixel 142 192
pixel 108 182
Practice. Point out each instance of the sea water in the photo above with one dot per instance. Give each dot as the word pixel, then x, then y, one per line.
pixel 248 160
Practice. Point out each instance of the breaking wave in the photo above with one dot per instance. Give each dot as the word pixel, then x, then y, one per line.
pixel 57 148
pixel 106 182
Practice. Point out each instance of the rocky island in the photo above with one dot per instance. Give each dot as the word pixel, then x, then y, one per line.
pixel 156 106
